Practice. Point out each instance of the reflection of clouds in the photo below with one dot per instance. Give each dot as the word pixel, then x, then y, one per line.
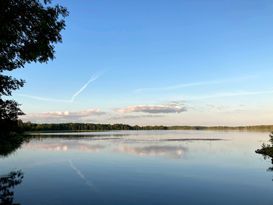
pixel 63 147
pixel 194 139
pixel 174 152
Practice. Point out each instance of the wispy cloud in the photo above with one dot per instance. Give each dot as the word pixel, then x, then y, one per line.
pixel 173 107
pixel 73 97
pixel 195 84
pixel 230 94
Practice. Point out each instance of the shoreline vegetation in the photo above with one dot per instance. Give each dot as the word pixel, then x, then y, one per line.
pixel 91 127
pixel 267 149
pixel 25 128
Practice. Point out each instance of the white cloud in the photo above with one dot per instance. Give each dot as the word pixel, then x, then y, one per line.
pixel 173 107
pixel 63 115
pixel 130 117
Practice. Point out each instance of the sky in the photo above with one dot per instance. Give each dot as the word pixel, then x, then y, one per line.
pixel 156 62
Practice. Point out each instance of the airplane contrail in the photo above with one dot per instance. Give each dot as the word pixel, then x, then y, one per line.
pixel 92 79
pixel 43 98
pixel 71 100
pixel 230 94
pixel 195 84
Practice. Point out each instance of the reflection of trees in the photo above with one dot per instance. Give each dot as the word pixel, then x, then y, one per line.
pixel 7 184
pixel 270 169
pixel 10 144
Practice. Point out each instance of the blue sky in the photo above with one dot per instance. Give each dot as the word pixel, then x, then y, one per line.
pixel 187 62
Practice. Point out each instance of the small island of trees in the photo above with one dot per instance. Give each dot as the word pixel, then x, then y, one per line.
pixel 267 149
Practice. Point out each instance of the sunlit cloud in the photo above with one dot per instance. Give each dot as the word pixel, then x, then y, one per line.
pixel 129 117
pixel 173 107
pixel 63 115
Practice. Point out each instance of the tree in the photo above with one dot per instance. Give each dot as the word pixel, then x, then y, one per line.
pixel 29 29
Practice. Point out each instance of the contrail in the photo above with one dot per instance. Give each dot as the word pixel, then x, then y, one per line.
pixel 43 98
pixel 71 100
pixel 195 84
pixel 231 94
pixel 92 79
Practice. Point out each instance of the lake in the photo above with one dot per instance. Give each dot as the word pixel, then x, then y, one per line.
pixel 140 167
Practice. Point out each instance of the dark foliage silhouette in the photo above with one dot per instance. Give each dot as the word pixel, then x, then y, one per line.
pixel 267 149
pixel 10 144
pixel 7 185
pixel 28 31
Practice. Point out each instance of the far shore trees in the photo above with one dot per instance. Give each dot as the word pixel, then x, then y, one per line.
pixel 29 29
pixel 49 127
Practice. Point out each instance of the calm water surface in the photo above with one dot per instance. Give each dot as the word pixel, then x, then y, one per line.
pixel 142 167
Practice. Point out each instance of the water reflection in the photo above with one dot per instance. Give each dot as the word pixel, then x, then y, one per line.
pixel 139 169
pixel 173 152
pixel 7 185
pixel 193 139
pixel 81 175
pixel 269 169
pixel 10 144
pixel 65 146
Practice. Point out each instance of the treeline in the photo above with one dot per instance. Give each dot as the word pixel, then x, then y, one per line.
pixel 86 127
pixel 28 126
pixel 10 127
pixel 239 128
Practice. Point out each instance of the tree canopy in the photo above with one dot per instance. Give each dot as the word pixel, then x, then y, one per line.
pixel 29 29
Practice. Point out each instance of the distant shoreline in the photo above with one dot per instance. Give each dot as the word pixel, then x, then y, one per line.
pixel 90 127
